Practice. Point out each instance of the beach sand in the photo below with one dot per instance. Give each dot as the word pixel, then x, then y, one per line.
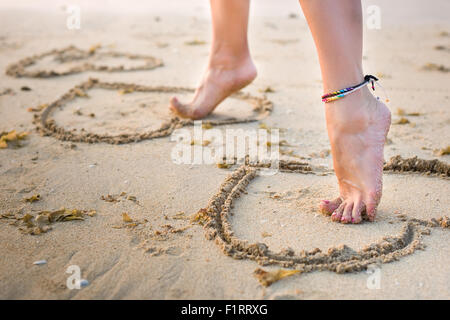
pixel 161 254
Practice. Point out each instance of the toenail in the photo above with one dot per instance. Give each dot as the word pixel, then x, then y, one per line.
pixel 326 201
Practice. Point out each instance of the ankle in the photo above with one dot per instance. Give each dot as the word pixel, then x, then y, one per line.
pixel 225 58
pixel 352 110
pixel 356 100
pixel 227 62
pixel 338 77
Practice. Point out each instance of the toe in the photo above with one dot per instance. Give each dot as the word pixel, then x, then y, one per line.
pixel 337 214
pixel 347 214
pixel 328 207
pixel 178 108
pixel 371 210
pixel 358 208
pixel 174 103
pixel 371 202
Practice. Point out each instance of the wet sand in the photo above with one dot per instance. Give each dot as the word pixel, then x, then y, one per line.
pixel 156 250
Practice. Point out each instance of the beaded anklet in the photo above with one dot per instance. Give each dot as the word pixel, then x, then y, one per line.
pixel 329 97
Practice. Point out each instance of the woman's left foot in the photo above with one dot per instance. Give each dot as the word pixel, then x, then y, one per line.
pixel 220 80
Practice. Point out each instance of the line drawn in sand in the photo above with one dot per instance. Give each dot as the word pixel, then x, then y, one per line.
pixel 262 107
pixel 215 219
pixel 72 54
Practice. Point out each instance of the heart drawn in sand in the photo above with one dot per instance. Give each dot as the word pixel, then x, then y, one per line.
pixel 262 107
pixel 215 219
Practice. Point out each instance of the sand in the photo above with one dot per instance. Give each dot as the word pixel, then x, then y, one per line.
pixel 141 242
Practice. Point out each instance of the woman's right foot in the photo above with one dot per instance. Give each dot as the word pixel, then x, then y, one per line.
pixel 220 80
pixel 357 128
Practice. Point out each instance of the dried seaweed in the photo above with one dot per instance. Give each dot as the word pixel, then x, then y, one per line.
pixel 165 232
pixel 267 90
pixel 42 221
pixel 180 216
pixel 129 223
pixel 402 120
pixel 195 42
pixel 402 112
pixel 266 278
pixel 109 198
pixel 33 198
pixel 201 217
pixel 39 108
pixel 444 151
pixel 119 197
pixel 207 125
pixel 12 138
pixel 126 217
pixel 264 126
pixel 436 67
pixel 441 48
pixel 224 165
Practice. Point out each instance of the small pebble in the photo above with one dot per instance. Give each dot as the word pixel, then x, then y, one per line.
pixel 40 262
pixel 84 283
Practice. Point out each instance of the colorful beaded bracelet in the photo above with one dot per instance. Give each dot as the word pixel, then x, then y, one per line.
pixel 342 93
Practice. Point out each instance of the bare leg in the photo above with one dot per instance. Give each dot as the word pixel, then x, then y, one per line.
pixel 357 124
pixel 230 67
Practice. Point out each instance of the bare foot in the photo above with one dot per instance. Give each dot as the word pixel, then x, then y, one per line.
pixel 219 81
pixel 357 127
